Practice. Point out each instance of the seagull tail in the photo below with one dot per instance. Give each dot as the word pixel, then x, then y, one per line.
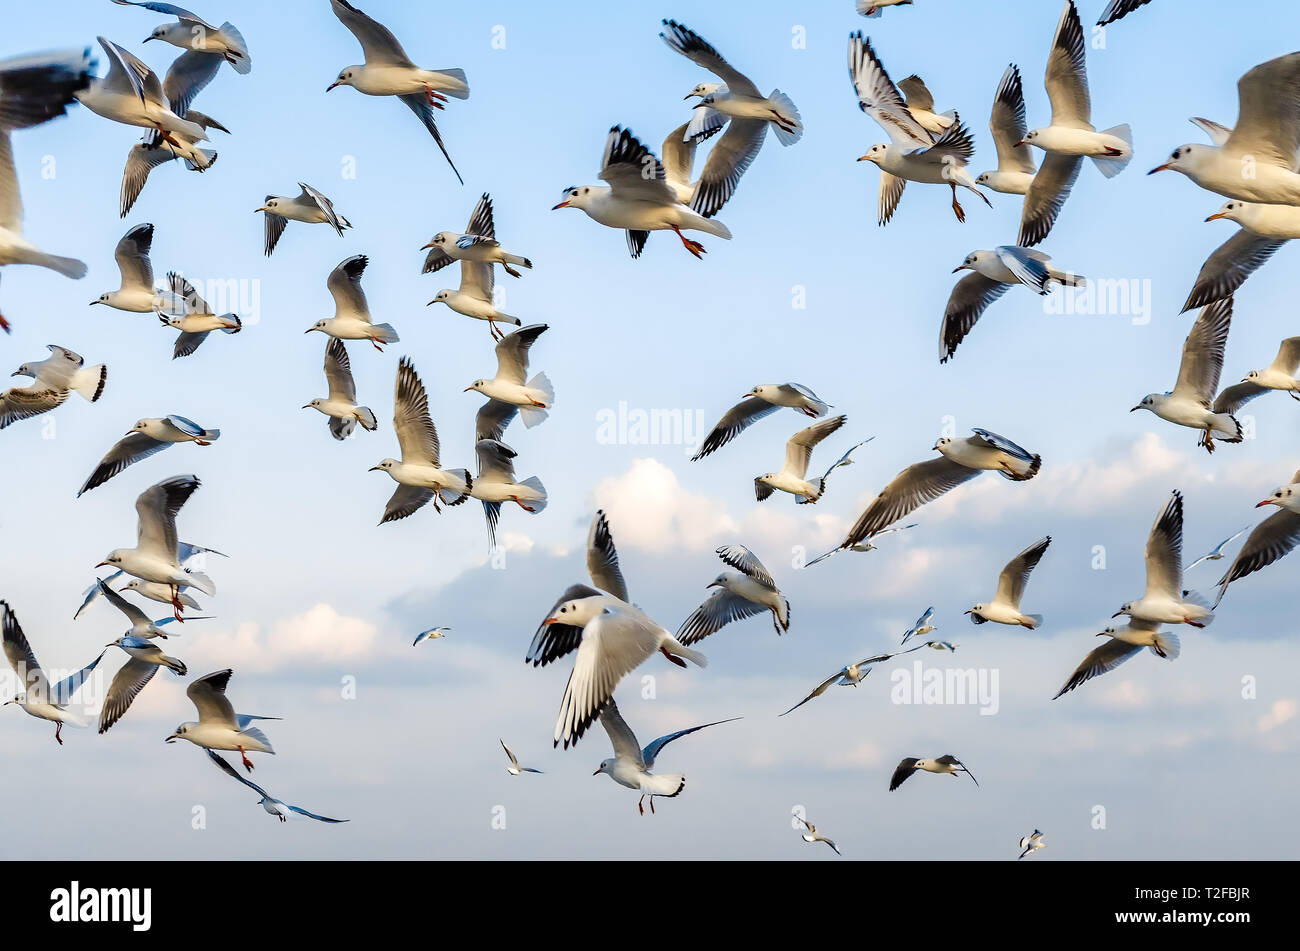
pixel 236 49
pixel 790 129
pixel 1227 428
pixel 366 417
pixel 89 382
pixel 460 84
pixel 1066 279
pixel 1035 621
pixel 1112 165
pixel 819 485
pixel 197 579
pixel 178 667
pixel 452 496
pixel 674 647
pixel 208 156
pixel 1167 645
pixel 68 267
pixel 386 333
pixel 1022 470
pixel 536 505
pixel 519 261
pixel 532 415
pixel 1201 601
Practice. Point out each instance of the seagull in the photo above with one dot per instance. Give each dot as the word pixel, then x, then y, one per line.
pixel 812 835
pixel 850 675
pixel 351 320
pixel 1116 10
pixel 514 769
pixel 947 763
pixel 749 111
pixel 942 646
pixel 760 402
pixel 188 554
pixel 630 765
pixel 496 483
pixel 388 71
pixel 157 555
pixel 922 626
pixel 218 726
pixel 1016 167
pixel 132 94
pixel 1164 599
pixel 432 634
pixel 146 438
pixel 475 297
pixel 308 206
pixel 419 475
pixel 920 103
pixel 35 90
pixel 1279 375
pixel 611 637
pixel 862 546
pixel 739 594
pixel 41 699
pixel 269 803
pixel 681 144
pixel 341 405
pixel 873 8
pixel 57 377
pixel 478 243
pixel 534 397
pixel 142 629
pixel 1272 538
pixel 1191 403
pixel 994 272
pixel 986 450
pixel 1264 229
pixel 198 319
pixel 798 453
pixel 638 198
pixel 145 659
pixel 1125 642
pixel 1071 136
pixel 1032 843
pixel 914 154
pixel 1005 606
pixel 1216 553
pixel 136 293
pixel 186 78
pixel 1265 140
pixel 192 33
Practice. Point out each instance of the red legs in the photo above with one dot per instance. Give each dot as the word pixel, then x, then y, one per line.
pixel 58 732
pixel 694 247
pixel 1208 441
pixel 4 325
pixel 1188 620
pixel 511 271
pixel 672 657
pixel 640 804
pixel 376 344
pixel 1111 150
pixel 248 764
pixel 496 334
pixel 434 98
pixel 177 607
pixel 436 507
pixel 168 137
pixel 526 508
pixel 956 205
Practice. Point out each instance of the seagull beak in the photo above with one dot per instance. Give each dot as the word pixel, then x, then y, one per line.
pixel 1260 505
pixel 372 468
pixel 549 621
pixel 1158 168
pixel 863 158
pixel 1117 614
pixel 1135 409
pixel 308 406
pixel 102 564
pixel 309 330
pixel 148 38
pixel 597 772
pixel 959 267
pixel 563 204
pixel 712 584
pixel 687 96
pixel 966 612
pixel 263 208
pixel 1216 216
pixel 171 739
pixel 96 301
pixel 332 85
pixel 1019 144
pixel 426 247
pixel 467 389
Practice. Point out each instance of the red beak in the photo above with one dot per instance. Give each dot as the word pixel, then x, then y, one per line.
pixel 563 204
pixel 549 621
pixel 1260 505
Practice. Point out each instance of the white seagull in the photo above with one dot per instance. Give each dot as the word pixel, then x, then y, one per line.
pixel 638 198
pixel 157 555
pixel 434 633
pixel 532 398
pixel 922 626
pixel 419 475
pixel 630 765
pixel 1125 643
pixel 1071 136
pixel 1265 141
pixel 1264 229
pixel 947 763
pixel 850 675
pixel 793 476
pixel 873 8
pixel 862 546
pixel 1191 402
pixel 146 438
pixel 40 698
pixel 309 206
pixel 218 726
pixel 193 33
pixel 388 71
pixel 198 319
pixel 56 378
pixel 1216 553
pixel 739 594
pixel 1032 843
pixel 351 320
pixel 514 769
pixel 1005 606
pixel 478 243
pixel 142 629
pixel 1164 599
pixel 1279 375
pixel 281 810
pixel 475 297
pixel 610 636
pixel 914 153
pixel 131 93
pixel 497 483
pixel 812 835
pixel 136 292
pixel 1016 167
pixel 189 556
pixel 145 659
pixel 994 273
pixel 1272 538
pixel 760 402
pixel 341 405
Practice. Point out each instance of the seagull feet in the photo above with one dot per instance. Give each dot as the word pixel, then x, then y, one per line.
pixel 1112 151
pixel 511 271
pixel 281 817
pixel 672 657
pixel 177 607
pixel 1208 441
pixel 956 206
pixel 168 137
pixel 376 344
pixel 496 334
pixel 694 247
pixel 58 732
pixel 248 764
pixel 527 508
pixel 640 805
pixel 1188 620
pixel 652 805
pixel 4 325
pixel 435 98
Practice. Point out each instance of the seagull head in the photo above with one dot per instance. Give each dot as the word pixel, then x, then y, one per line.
pixel 721 581
pixel 173 321
pixel 874 154
pixel 114 557
pixel 942 443
pixel 971 262
pixel 1110 631
pixel 271 205
pixel 24 370
pixel 314 404
pixel 606 766
pixel 1125 608
pixel 983 179
pixel 576 612
pixel 18 700
pixel 1284 497
pixel 319 325
pixel 385 466
pixel 1180 159
pixel 1148 403
pixel 345 78
pixel 765 478
pixel 703 91
pixel 179 732
pixel 976 610
pixel 576 196
pixel 441 297
pixel 439 240
pixel 1233 211
pixel 476 385
pixel 101 299
pixel 1030 138
pixel 169 32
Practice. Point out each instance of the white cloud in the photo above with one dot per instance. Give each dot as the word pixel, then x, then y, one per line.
pixel 319 635
pixel 649 509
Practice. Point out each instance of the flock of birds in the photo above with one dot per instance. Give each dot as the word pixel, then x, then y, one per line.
pixel 597 623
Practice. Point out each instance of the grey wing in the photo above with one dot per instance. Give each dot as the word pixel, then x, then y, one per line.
pixel 378 43
pixel 324 204
pixel 621 737
pixel 62 692
pixel 891 193
pixel 1229 266
pixel 602 559
pixel 798 450
pixel 512 352
pixel 1015 576
pixel 344 284
pixel 187 76
pixel 1008 126
pixel 916 94
pixel 416 434
pixel 91 593
pixel 820 689
pixel 436 260
pixel 1046 196
pixel 311 815
pixel 1029 267
pixel 1100 660
pixel 24 402
pixel 1217 131
pixel 127 451
pixel 1164 553
pixel 495 460
pixel 1202 364
pixel 728 160
pixel 1288 356
pixel 127 683
pixel 695 48
pixel 1067 73
pixel 187 343
pixel 132 257
pixel 913 487
pixel 338 371
pixel 274 229
pixel 718 610
pixel 879 98
pixel 419 104
pixel 553 641
pixel 1003 444
pixel 233 773
pixel 1272 538
pixel 762 491
pixel 969 299
pixel 744 560
pixel 406 500
pixel 1117 9
pixel 126 74
pixel 481 221
pixel 654 746
pixel 133 614
pixel 902 772
pixel 208 694
pixel 492 419
pixel 19 653
pixel 634 172
pixel 733 423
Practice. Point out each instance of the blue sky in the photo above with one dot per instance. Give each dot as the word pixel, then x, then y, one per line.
pixel 315 592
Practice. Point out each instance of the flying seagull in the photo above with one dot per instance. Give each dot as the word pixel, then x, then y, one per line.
pixel 218 726
pixel 944 764
pixel 793 477
pixel 309 206
pixel 850 675
pixel 1272 538
pixel 1125 642
pixel 1164 599
pixel 40 698
pixel 759 403
pixel 1032 843
pixel 739 594
pixel 145 659
pixel 268 802
pixel 341 405
pixel 1005 606
pixel 514 769
pixel 812 835
pixel 146 438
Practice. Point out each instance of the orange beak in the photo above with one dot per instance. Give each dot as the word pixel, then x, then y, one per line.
pixel 1158 168
pixel 1216 216
pixel 549 621
pixel 1260 505
pixel 563 204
